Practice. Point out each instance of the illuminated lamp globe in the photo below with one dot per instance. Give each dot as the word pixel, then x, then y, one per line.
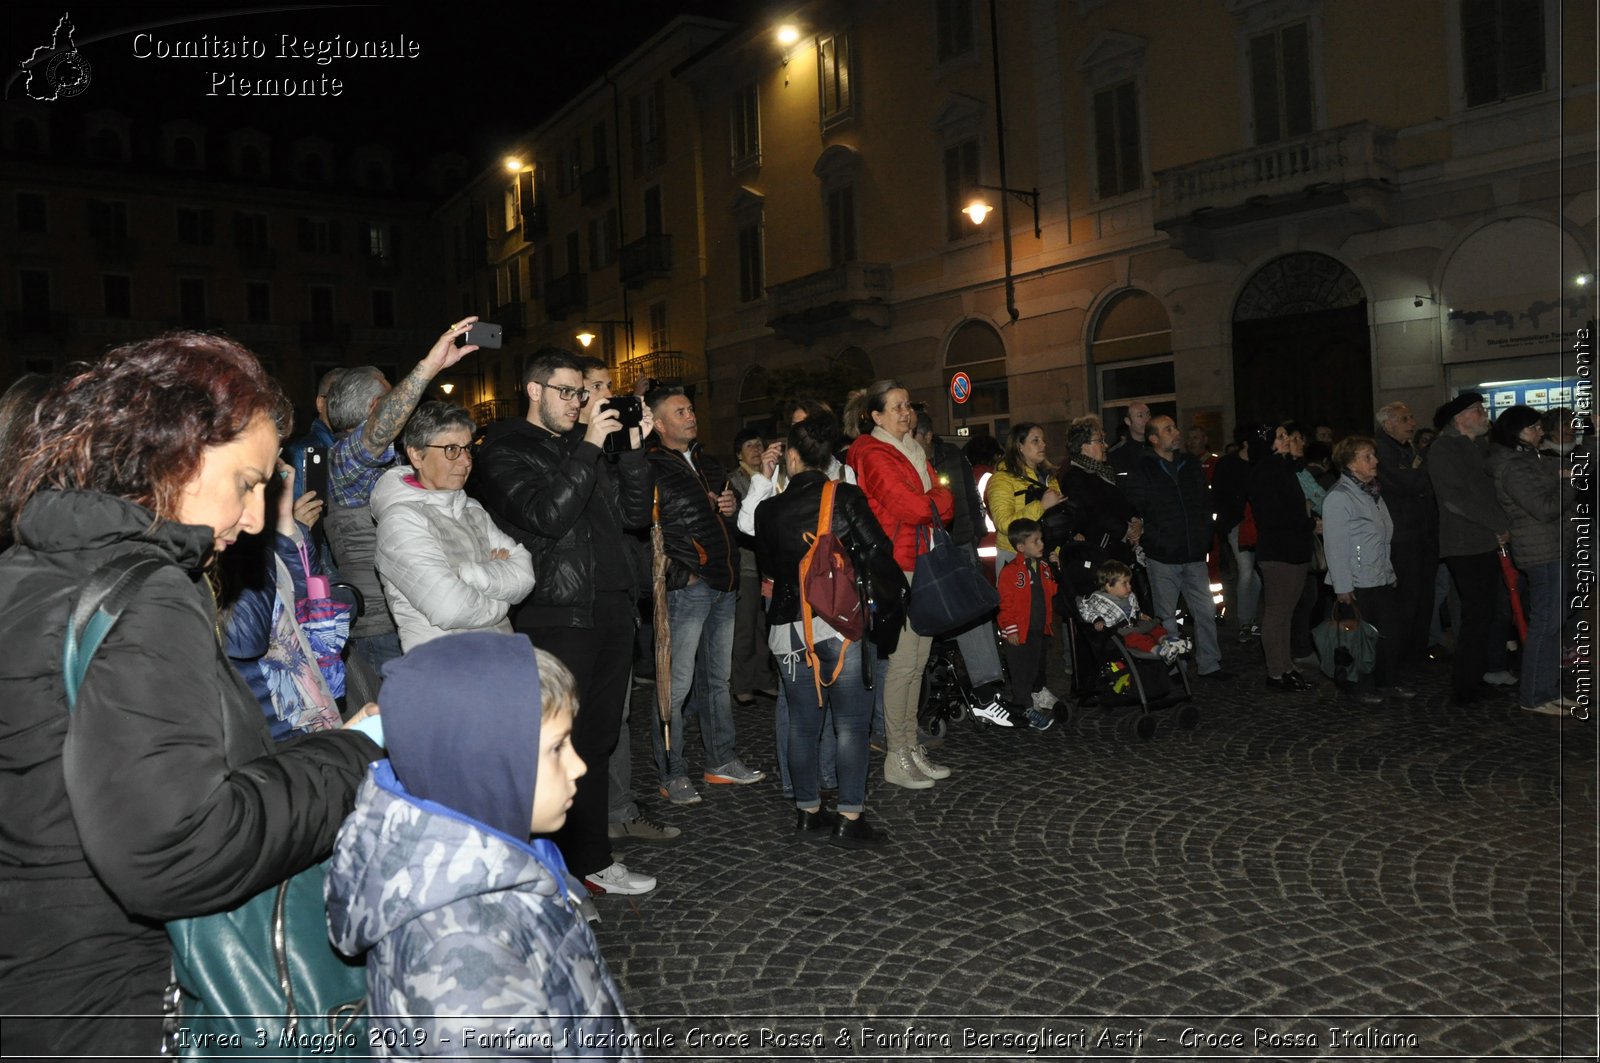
pixel 977 210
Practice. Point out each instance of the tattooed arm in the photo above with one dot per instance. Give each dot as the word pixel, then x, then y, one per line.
pixel 389 416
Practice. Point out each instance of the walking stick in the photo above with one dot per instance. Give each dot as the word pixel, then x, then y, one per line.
pixel 658 589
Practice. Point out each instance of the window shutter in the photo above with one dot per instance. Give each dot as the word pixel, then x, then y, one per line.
pixel 1264 87
pixel 1522 42
pixel 1299 116
pixel 1128 153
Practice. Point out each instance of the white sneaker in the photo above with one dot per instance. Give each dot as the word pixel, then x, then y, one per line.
pixel 618 879
pixel 1500 679
pixel 1549 708
pixel 994 713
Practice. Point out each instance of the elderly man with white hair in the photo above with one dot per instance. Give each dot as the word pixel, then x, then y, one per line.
pixel 1414 551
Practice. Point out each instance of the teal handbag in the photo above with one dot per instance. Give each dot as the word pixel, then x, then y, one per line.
pixel 262 979
pixel 1347 649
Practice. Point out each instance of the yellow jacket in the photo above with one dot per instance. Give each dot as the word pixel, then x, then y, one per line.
pixel 1005 499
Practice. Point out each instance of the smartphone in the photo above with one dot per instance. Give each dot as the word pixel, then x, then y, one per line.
pixel 481 333
pixel 630 414
pixel 313 472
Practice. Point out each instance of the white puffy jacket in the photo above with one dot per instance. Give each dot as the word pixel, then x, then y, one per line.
pixel 433 558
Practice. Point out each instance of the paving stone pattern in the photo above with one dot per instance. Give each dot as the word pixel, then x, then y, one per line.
pixel 1421 878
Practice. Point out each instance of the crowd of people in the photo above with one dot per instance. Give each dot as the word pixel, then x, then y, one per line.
pixel 433 655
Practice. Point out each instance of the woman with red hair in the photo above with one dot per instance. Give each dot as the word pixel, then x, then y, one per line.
pixel 160 795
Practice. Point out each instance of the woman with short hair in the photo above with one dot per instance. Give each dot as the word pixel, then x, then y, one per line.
pixel 161 794
pixel 444 563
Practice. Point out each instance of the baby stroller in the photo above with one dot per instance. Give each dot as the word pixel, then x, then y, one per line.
pixel 1109 673
pixel 951 692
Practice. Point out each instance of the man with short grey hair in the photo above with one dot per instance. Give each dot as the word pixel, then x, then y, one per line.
pixel 1414 550
pixel 1124 457
pixel 366 416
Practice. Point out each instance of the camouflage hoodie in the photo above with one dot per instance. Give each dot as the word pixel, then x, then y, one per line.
pixel 475 945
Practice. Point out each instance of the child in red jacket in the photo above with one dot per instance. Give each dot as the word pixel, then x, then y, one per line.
pixel 1027 586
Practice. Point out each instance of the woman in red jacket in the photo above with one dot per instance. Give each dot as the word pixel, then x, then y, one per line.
pixel 903 492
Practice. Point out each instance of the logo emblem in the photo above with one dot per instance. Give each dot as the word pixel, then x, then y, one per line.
pixel 57 71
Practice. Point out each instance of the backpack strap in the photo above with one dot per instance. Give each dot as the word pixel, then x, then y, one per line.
pixel 99 602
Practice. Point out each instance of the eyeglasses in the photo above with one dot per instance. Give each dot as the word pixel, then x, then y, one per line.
pixel 568 394
pixel 1097 439
pixel 452 451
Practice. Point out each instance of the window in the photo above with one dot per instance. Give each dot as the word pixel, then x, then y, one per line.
pixel 647 115
pixel 569 166
pixel 377 240
pixel 833 74
pixel 953 28
pixel 513 280
pixel 322 304
pixel 33 287
pixel 319 236
pixel 106 146
pixel 251 162
pixel 841 225
pixel 313 169
pixel 32 213
pixel 597 145
pixel 1118 166
pixel 1280 83
pixel 745 127
pixel 658 327
pixel 26 137
pixel 108 221
pixel 185 153
pixel 258 302
pixel 195 227
pixel 603 239
pixel 652 211
pixel 509 205
pixel 118 291
pixel 960 178
pixel 191 300
pixel 382 308
pixel 250 230
pixel 1502 49
pixel 574 253
pixel 750 263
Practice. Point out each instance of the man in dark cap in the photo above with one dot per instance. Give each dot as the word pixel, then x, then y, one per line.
pixel 1472 528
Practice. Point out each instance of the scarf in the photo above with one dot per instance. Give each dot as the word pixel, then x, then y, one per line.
pixel 1103 469
pixel 1372 488
pixel 913 453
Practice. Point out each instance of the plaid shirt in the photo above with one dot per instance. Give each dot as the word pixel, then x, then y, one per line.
pixel 352 472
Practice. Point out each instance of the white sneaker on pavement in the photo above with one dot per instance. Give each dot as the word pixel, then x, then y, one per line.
pixel 618 879
pixel 994 713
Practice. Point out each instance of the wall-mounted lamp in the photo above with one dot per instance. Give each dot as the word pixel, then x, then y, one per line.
pixel 1582 280
pixel 447 388
pixel 586 334
pixel 514 164
pixel 1418 300
pixel 787 36
pixel 978 208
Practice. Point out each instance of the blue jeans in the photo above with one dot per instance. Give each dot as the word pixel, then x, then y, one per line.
pixel 827 752
pixel 1247 586
pixel 1190 581
pixel 1541 653
pixel 701 621
pixel 849 704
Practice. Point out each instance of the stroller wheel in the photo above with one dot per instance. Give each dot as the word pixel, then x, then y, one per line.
pixel 936 727
pixel 1145 728
pixel 1188 718
pixel 956 709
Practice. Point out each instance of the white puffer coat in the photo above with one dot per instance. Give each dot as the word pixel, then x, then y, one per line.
pixel 433 558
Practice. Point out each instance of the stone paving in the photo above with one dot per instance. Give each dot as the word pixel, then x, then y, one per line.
pixel 1301 876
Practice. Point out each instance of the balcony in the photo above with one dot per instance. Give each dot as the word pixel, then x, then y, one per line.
pixel 594 186
pixel 846 295
pixel 565 294
pixel 669 367
pixel 324 334
pixel 40 324
pixel 491 410
pixel 258 258
pixel 1351 165
pixel 645 259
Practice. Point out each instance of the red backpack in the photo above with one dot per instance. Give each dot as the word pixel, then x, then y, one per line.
pixel 828 588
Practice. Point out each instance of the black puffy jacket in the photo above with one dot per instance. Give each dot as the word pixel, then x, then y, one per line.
pixel 1175 502
pixel 782 525
pixel 699 540
pixel 164 798
pixel 1283 522
pixel 559 497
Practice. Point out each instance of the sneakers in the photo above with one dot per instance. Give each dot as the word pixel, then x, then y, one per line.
pixel 919 757
pixel 680 791
pixel 994 713
pixel 644 829
pixel 733 773
pixel 1043 699
pixel 900 770
pixel 1040 719
pixel 1501 678
pixel 1248 633
pixel 1553 707
pixel 618 879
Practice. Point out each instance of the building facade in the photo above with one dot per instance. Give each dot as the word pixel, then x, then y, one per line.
pixel 314 255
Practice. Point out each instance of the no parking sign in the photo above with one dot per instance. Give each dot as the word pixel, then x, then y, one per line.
pixel 960 388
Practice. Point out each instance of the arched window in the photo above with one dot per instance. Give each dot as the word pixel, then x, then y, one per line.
pixel 1131 351
pixel 977 350
pixel 25 136
pixel 251 162
pixel 313 169
pixel 106 146
pixel 185 153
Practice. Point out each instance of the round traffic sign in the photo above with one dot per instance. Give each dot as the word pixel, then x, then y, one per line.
pixel 961 387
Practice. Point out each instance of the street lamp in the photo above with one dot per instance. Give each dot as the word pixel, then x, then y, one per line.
pixel 586 334
pixel 978 208
pixel 447 388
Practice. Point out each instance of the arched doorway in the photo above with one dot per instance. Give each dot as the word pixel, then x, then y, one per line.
pixel 977 349
pixel 1130 350
pixel 1301 345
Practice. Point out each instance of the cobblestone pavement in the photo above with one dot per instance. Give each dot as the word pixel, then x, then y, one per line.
pixel 1300 876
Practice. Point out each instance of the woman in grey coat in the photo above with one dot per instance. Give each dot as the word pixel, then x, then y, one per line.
pixel 1536 493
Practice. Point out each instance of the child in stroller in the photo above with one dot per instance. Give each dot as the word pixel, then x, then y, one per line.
pixel 1116 607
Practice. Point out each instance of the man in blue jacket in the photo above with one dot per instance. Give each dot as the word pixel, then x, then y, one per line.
pixel 1168 489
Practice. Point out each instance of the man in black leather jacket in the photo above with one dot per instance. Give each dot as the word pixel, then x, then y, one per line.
pixel 555 493
pixel 696 506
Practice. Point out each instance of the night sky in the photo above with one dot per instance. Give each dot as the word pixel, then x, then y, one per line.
pixel 483 73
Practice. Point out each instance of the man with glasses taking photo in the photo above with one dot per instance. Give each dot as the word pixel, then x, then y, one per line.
pixel 552 489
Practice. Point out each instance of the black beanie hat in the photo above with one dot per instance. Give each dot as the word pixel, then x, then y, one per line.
pixel 1446 413
pixel 1514 420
